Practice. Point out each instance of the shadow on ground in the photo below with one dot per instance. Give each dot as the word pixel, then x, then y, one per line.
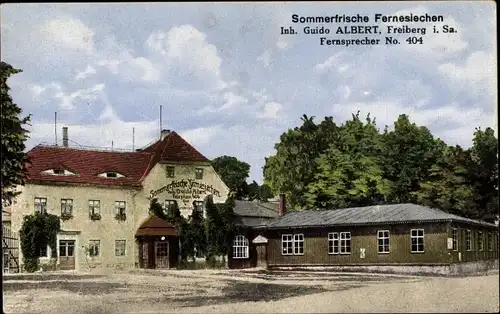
pixel 46 276
pixel 238 291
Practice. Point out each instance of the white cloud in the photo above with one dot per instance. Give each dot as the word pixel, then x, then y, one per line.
pixel 271 110
pixel 37 90
pixel 201 136
pixel 87 72
pixel 87 94
pixel 232 100
pixel 332 62
pixel 265 58
pixel 477 74
pixel 70 32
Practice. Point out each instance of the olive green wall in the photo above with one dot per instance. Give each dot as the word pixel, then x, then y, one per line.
pixel 474 254
pixel 316 246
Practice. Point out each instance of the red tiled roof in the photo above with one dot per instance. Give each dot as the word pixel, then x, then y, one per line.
pixel 175 148
pixel 155 226
pixel 88 164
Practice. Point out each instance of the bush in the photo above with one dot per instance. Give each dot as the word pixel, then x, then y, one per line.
pixel 38 231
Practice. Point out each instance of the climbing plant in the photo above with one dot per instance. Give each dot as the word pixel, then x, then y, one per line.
pixel 38 231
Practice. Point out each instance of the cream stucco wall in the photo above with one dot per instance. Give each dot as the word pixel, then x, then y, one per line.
pixel 108 229
pixel 190 188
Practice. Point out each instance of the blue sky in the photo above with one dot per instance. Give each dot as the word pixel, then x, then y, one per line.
pixel 229 83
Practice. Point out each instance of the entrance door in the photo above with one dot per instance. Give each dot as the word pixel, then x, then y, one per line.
pixel 67 254
pixel 144 255
pixel 161 254
pixel 261 255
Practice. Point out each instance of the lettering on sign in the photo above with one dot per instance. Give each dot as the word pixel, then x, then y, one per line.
pixel 185 190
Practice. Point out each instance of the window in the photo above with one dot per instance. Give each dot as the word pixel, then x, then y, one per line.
pixel 94 207
pixel 43 252
pixel 490 241
pixel 169 203
pixel 199 206
pixel 417 240
pixel 120 246
pixel 345 243
pixel 40 205
pixel 454 238
pixel 333 243
pixel 199 173
pixel 59 171
pixel 298 244
pixel 292 244
pixel 240 247
pixel 287 244
pixel 468 240
pixel 170 172
pixel 94 247
pixel 480 244
pixel 383 241
pixel 66 207
pixel 120 207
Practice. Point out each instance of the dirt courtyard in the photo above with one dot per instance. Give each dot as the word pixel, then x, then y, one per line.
pixel 224 291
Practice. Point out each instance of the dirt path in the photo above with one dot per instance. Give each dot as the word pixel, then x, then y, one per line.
pixel 228 291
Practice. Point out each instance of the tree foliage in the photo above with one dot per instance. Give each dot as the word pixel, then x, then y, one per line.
pixel 234 173
pixel 327 165
pixel 38 231
pixel 13 136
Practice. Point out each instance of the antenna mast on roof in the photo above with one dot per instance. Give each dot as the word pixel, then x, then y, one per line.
pixel 133 139
pixel 112 145
pixel 55 126
pixel 160 120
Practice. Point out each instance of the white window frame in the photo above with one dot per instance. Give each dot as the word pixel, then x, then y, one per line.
pixel 93 244
pixel 298 249
pixel 345 243
pixel 200 205
pixel 40 204
pixel 480 241
pixel 468 240
pixel 454 239
pixel 288 240
pixel 333 243
pixel 93 206
pixel 65 204
pixel 119 205
pixel 417 237
pixel 383 235
pixel 240 247
pixel 121 248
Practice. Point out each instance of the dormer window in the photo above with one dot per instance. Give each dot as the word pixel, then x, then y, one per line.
pixel 59 172
pixel 111 175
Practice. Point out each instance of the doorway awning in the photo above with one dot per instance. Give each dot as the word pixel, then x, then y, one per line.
pixel 154 226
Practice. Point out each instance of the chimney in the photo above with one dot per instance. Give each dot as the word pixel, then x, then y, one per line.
pixel 282 205
pixel 65 136
pixel 164 133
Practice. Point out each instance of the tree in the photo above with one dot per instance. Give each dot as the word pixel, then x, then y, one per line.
pixel 232 171
pixel 409 152
pixel 214 229
pixel 349 172
pixel 447 186
pixel 14 136
pixel 483 173
pixel 293 166
pixel 197 235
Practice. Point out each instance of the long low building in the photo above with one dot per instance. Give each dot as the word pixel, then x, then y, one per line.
pixel 398 234
pixel 103 200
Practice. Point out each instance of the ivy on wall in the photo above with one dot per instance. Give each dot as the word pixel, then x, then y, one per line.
pixel 38 231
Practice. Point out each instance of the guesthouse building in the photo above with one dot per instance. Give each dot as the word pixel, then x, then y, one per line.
pixel 103 197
